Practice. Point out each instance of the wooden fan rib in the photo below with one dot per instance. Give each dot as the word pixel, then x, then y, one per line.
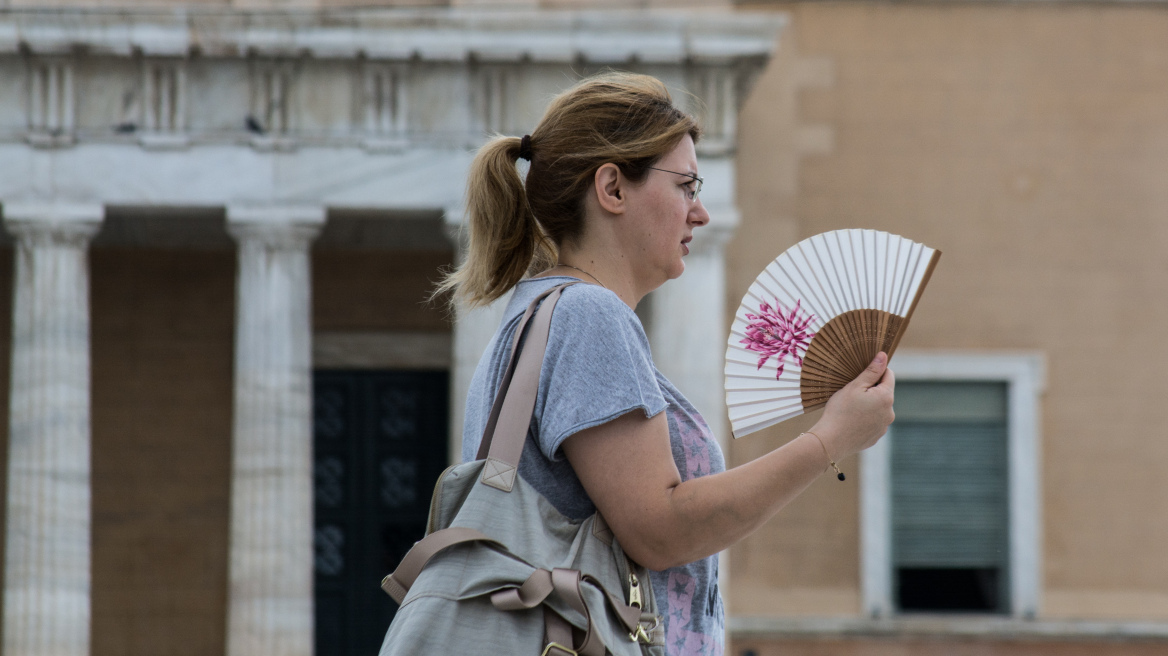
pixel 814 371
pixel 810 378
pixel 875 319
pixel 882 330
pixel 824 365
pixel 833 339
pixel 841 332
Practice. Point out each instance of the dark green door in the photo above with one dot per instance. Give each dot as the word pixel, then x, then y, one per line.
pixel 379 445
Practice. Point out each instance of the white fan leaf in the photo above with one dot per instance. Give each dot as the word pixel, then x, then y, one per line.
pixel 815 317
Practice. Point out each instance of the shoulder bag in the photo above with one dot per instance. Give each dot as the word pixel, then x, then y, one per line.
pixel 500 570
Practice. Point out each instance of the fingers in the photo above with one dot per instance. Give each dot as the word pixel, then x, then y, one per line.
pixel 871 375
pixel 888 382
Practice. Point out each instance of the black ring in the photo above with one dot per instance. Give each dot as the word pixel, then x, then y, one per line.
pixel 525 147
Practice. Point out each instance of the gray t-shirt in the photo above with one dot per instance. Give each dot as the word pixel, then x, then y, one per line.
pixel 598 367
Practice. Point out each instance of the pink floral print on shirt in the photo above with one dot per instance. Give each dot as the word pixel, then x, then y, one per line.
pixel 679 640
pixel 693 431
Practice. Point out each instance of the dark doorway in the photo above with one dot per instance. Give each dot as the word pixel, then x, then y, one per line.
pixel 379 446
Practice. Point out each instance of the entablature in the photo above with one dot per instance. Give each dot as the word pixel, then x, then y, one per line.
pixel 378 79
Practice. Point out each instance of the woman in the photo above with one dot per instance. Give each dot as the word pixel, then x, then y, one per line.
pixel 611 199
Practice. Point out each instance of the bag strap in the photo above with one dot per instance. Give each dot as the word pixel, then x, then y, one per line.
pixel 493 418
pixel 506 431
pixel 399 582
pixel 560 634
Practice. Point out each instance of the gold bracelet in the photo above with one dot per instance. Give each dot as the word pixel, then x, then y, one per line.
pixel 838 474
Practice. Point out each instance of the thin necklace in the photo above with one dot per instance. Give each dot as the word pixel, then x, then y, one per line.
pixel 583 272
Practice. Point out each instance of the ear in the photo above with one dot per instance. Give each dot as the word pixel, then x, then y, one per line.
pixel 609 186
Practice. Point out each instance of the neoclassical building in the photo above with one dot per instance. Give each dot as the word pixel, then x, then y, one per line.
pixel 162 414
pixel 228 395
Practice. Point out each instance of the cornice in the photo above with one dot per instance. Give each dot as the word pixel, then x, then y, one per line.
pixel 446 34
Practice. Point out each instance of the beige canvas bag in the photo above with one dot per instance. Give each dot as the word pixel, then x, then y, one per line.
pixel 500 570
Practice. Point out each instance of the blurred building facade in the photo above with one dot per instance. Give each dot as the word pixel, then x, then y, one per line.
pixel 228 400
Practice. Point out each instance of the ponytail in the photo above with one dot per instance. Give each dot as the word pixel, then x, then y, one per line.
pixel 505 240
pixel 516 226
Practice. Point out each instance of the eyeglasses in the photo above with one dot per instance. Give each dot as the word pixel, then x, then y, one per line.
pixel 692 193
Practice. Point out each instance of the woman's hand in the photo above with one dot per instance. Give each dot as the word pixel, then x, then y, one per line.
pixel 627 468
pixel 859 414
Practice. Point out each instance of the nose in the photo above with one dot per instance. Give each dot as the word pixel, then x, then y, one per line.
pixel 698 215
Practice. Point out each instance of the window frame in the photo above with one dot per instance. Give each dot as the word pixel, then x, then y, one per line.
pixel 1024 374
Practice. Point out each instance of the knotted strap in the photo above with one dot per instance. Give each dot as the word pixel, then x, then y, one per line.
pixel 398 584
pixel 541 584
pixel 565 583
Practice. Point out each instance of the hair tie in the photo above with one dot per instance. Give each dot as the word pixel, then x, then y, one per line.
pixel 525 147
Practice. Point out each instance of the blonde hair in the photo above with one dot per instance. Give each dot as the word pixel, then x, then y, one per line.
pixel 516 226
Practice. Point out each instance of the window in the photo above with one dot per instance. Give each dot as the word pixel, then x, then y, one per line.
pixel 949 497
pixel 949 500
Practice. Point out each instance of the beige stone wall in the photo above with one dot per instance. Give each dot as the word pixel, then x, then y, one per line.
pixel 162 337
pixel 1030 144
pixel 367 290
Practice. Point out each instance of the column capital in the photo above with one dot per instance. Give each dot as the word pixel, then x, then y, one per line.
pixel 53 223
pixel 278 226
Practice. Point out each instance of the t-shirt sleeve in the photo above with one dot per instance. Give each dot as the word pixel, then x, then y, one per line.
pixel 597 367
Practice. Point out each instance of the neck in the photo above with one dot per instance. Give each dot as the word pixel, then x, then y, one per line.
pixel 598 264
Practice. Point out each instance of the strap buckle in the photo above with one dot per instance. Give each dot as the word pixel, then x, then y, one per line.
pixel 555 645
pixel 640 635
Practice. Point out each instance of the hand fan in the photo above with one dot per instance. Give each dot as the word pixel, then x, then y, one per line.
pixel 815 318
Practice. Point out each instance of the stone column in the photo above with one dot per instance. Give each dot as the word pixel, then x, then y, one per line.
pixel 46 568
pixel 473 329
pixel 270 603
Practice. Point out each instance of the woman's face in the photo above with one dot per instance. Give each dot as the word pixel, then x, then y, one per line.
pixel 662 217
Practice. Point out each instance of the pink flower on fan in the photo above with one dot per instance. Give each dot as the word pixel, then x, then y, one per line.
pixel 778 333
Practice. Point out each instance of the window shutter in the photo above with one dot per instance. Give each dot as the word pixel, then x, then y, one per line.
pixel 949 467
